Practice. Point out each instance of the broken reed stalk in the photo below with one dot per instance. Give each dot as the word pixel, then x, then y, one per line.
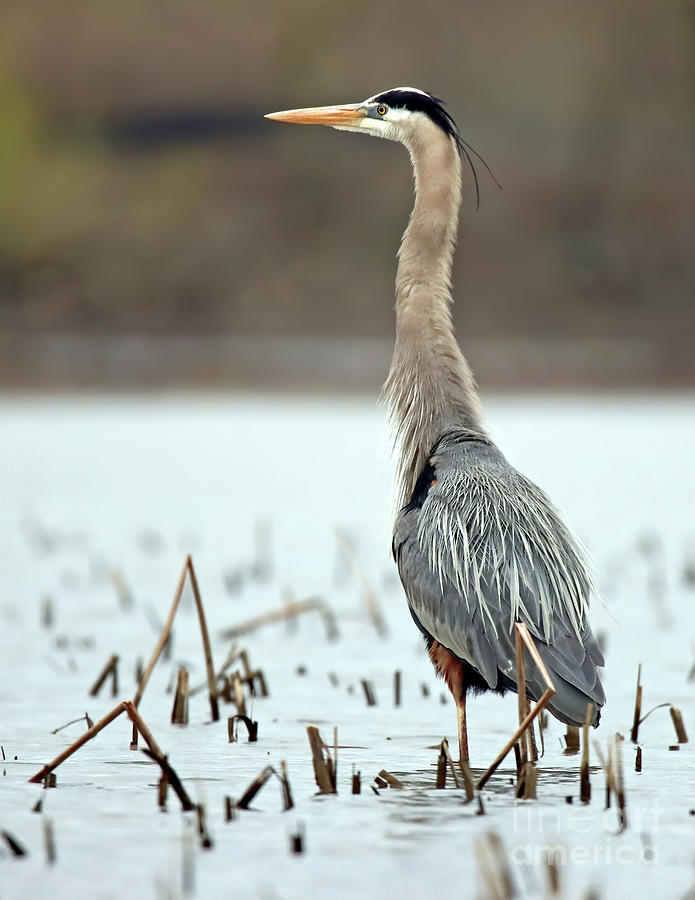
pixel 677 719
pixel 584 780
pixel 203 833
pixel 494 867
pixel 324 770
pixel 390 779
pixel 572 744
pixel 312 604
pixel 214 706
pixel 15 847
pixel 537 710
pixel 356 782
pixel 371 601
pixel 82 739
pixel 111 668
pixel 552 862
pixel 162 787
pixel 527 781
pixel 335 755
pixel 172 778
pixel 258 783
pixel 287 801
pixel 397 688
pixel 613 769
pixel 441 770
pixel 251 727
pixel 638 706
pixel 619 781
pixel 368 692
pixel 125 595
pixel 444 749
pixel 179 711
pixel 154 751
pixel 237 689
pixel 49 840
pixel 252 676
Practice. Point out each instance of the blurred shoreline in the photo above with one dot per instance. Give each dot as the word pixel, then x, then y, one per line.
pixel 55 363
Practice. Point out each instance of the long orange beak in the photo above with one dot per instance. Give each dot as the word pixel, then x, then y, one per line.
pixel 351 114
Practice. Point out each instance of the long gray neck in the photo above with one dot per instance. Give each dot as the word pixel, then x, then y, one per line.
pixel 430 388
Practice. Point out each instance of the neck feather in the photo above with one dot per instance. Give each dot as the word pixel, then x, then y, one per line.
pixel 430 388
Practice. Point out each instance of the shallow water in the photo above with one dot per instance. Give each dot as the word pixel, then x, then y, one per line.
pixel 94 484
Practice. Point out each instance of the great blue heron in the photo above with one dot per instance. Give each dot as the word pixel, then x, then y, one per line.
pixel 478 546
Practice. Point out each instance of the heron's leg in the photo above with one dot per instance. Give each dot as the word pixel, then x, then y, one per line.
pixel 462 727
pixel 451 671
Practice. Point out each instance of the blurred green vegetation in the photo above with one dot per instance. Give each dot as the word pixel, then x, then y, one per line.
pixel 119 213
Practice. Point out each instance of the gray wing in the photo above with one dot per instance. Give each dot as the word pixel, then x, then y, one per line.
pixel 480 547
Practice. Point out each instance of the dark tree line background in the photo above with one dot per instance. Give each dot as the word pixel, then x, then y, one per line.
pixel 142 193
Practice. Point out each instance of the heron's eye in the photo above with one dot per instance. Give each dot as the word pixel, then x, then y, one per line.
pixel 381 110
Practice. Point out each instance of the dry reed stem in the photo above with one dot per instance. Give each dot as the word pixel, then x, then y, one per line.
pixel 203 833
pixel 324 771
pixel 531 735
pixel 619 781
pixel 109 669
pixel 528 780
pixel 49 841
pixel 368 689
pixel 677 719
pixel 371 601
pixel 397 688
pixel 179 711
pixel 444 748
pixel 251 727
pixel 163 637
pixel 173 779
pixel 162 788
pixel 84 718
pixel 312 604
pixel 494 867
pixel 232 656
pixel 584 780
pixel 237 689
pixel 258 783
pixel 390 779
pixel 214 706
pixel 15 847
pixel 287 801
pixel 335 755
pixel 613 769
pixel 125 595
pixel 537 710
pixel 522 703
pixel 82 739
pixel 356 782
pixel 553 869
pixel 638 706
pixel 572 743
pixel 441 770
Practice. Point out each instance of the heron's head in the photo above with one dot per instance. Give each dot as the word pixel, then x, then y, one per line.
pixel 400 114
